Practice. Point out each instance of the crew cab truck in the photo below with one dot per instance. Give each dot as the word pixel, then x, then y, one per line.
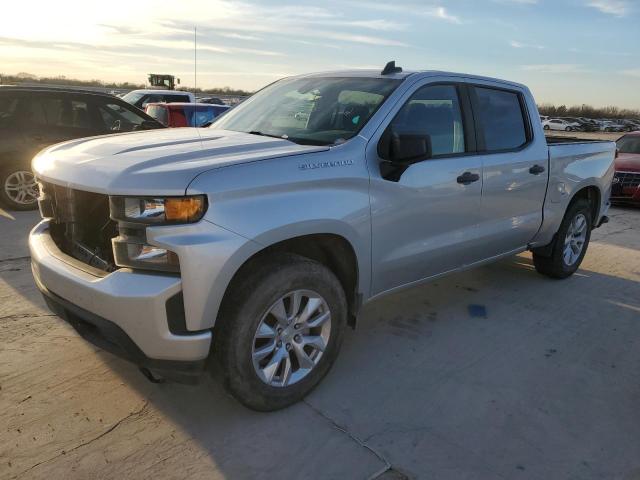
pixel 255 242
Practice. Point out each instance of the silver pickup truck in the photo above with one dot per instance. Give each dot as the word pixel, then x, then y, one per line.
pixel 253 244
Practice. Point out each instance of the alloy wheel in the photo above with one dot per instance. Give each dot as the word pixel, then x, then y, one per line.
pixel 21 187
pixel 575 239
pixel 291 338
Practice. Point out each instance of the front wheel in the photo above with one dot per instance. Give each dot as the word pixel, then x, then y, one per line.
pixel 570 244
pixel 567 129
pixel 18 188
pixel 281 329
pixel 547 127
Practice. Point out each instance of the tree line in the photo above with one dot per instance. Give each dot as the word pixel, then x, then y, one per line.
pixel 64 81
pixel 587 111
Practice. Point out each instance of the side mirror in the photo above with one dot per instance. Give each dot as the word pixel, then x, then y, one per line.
pixel 408 148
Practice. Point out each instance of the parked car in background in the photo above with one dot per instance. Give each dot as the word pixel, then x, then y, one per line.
pixel 185 114
pixel 629 125
pixel 211 100
pixel 612 126
pixel 559 124
pixel 584 126
pixel 253 244
pixel 626 181
pixel 140 98
pixel 32 118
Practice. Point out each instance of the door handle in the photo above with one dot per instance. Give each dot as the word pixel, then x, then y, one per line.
pixel 536 170
pixel 467 177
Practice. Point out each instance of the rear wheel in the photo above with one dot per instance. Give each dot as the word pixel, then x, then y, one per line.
pixel 18 188
pixel 281 328
pixel 570 244
pixel 567 129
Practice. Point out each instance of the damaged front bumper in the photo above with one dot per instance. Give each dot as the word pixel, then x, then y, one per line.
pixel 124 312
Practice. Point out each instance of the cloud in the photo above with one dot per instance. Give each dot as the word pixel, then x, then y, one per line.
pixel 434 10
pixel 240 36
pixel 554 68
pixel 442 14
pixel 635 72
pixel 618 8
pixel 518 2
pixel 516 44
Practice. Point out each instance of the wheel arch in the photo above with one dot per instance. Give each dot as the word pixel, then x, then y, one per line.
pixel 332 250
pixel 593 195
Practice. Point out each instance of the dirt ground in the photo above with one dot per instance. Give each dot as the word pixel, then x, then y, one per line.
pixel 493 373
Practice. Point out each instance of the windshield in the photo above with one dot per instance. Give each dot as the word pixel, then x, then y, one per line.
pixel 132 97
pixel 312 111
pixel 629 144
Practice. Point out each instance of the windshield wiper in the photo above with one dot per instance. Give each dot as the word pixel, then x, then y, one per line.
pixel 262 134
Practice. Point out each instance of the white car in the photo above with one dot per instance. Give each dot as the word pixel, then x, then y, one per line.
pixel 558 124
pixel 140 98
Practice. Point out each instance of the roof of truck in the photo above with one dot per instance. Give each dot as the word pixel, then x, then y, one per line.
pixel 374 73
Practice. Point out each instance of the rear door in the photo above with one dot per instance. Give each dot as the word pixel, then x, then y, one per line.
pixel 425 217
pixel 514 168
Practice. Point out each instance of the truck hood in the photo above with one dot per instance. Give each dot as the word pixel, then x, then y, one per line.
pixel 154 162
pixel 628 162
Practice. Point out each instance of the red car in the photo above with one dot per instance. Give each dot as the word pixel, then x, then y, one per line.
pixel 626 182
pixel 185 114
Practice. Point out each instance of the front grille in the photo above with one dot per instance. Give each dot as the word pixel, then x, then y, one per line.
pixel 628 179
pixel 625 184
pixel 80 224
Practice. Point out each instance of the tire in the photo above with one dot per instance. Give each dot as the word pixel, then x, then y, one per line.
pixel 547 127
pixel 556 264
pixel 18 190
pixel 248 307
pixel 567 129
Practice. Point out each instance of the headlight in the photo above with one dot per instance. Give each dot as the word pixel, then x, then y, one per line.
pixel 158 211
pixel 135 214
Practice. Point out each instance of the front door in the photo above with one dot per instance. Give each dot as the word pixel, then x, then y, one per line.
pixel 425 217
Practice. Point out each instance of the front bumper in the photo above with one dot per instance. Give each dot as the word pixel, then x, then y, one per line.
pixel 125 309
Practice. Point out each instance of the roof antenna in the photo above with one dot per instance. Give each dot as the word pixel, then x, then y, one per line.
pixel 390 67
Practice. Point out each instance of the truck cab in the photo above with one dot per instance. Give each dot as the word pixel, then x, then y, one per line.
pixel 255 242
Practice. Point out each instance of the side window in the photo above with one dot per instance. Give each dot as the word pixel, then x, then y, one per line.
pixel 149 99
pixel 434 111
pixel 159 112
pixel 8 110
pixel 118 118
pixel 34 113
pixel 502 119
pixel 175 98
pixel 63 112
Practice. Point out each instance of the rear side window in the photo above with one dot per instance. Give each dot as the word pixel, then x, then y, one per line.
pixel 502 119
pixel 158 112
pixel 434 111
pixel 64 112
pixel 168 98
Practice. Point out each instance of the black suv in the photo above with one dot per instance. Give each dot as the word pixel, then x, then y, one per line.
pixel 32 118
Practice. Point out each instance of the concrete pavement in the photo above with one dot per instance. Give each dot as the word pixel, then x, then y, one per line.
pixel 493 373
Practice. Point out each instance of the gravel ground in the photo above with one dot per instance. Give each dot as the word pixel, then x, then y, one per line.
pixel 493 373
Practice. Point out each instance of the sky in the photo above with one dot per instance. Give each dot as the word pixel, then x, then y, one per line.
pixel 567 51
